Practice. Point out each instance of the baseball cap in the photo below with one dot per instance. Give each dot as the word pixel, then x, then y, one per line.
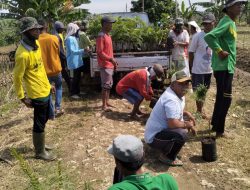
pixel 59 25
pixel 208 18
pixel 230 3
pixel 28 23
pixel 180 76
pixel 127 148
pixel 158 69
pixel 179 21
pixel 107 19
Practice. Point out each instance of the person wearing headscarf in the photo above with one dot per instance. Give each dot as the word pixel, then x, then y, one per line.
pixel 74 58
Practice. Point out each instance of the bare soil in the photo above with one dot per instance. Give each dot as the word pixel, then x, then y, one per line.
pixel 84 132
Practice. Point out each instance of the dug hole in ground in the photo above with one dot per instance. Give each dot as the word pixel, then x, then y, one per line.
pixel 83 134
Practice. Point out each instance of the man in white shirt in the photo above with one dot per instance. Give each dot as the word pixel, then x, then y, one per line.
pixel 200 56
pixel 166 128
pixel 181 41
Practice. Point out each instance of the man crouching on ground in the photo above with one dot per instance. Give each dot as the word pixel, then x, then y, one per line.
pixel 136 86
pixel 29 68
pixel 129 157
pixel 167 125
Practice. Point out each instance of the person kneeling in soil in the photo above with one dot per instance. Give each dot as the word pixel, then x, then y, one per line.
pixel 166 128
pixel 129 158
pixel 136 86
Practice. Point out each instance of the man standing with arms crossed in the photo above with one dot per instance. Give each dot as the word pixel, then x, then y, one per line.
pixel 106 61
pixel 29 69
pixel 222 40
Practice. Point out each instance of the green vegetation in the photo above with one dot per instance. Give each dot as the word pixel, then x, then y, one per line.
pixel 131 34
pixel 158 10
pixel 200 93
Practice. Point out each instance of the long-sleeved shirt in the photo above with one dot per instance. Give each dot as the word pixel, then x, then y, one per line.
pixel 73 53
pixel 223 37
pixel 29 68
pixel 104 50
pixel 138 80
pixel 84 40
pixel 50 53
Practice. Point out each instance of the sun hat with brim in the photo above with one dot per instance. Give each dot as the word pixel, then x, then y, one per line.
pixel 194 24
pixel 230 3
pixel 127 148
pixel 180 76
pixel 28 23
pixel 108 19
pixel 208 18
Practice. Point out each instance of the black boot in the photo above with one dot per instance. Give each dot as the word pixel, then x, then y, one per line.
pixel 39 144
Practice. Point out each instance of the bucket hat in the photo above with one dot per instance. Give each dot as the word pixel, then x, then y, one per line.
pixel 28 23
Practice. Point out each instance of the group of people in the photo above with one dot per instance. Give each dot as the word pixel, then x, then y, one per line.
pixel 42 60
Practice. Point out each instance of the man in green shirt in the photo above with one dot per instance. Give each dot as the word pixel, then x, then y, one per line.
pixel 222 40
pixel 129 157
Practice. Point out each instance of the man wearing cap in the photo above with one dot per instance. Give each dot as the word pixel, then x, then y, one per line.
pixel 29 69
pixel 136 86
pixel 59 29
pixel 129 157
pixel 181 41
pixel 222 40
pixel 200 56
pixel 106 61
pixel 168 123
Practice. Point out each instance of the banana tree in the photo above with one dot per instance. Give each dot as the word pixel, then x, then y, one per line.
pixel 214 7
pixel 187 12
pixel 49 9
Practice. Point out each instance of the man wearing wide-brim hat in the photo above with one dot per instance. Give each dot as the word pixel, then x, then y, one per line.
pixel 222 40
pixel 29 71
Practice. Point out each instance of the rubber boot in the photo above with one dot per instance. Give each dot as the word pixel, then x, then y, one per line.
pixel 39 144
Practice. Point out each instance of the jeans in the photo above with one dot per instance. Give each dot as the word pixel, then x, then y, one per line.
pixel 169 142
pixel 41 115
pixel 57 80
pixel 223 100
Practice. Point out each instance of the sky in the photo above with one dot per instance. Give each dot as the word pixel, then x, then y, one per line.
pixel 105 6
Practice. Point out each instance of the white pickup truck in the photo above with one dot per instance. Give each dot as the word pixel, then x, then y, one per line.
pixel 130 61
pixel 134 60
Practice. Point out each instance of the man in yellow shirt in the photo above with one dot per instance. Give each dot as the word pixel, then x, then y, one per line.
pixel 29 70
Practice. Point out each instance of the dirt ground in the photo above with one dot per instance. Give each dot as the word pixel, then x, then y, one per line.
pixel 82 135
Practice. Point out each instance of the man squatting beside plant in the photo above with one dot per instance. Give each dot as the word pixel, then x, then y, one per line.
pixel 136 86
pixel 106 61
pixel 166 128
pixel 29 68
pixel 222 40
pixel 200 60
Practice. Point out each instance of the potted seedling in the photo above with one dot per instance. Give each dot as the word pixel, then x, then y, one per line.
pixel 208 144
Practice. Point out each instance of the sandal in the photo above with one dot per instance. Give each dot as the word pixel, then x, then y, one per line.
pixel 170 162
